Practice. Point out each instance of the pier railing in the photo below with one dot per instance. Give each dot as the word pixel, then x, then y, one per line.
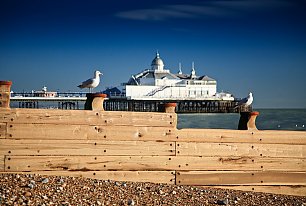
pixel 148 147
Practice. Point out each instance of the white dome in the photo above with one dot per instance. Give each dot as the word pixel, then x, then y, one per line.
pixel 157 63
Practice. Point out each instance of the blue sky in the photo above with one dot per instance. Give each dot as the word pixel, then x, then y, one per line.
pixel 246 45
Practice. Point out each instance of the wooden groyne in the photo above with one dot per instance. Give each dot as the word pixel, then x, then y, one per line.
pixel 148 147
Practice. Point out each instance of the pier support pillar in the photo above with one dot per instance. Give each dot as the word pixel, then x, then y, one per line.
pixel 5 94
pixel 247 121
pixel 170 107
pixel 95 101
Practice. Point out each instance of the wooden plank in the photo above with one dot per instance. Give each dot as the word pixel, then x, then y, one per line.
pixel 166 177
pixel 240 149
pixel 242 136
pixel 2 165
pixel 61 132
pixel 87 163
pixel 297 190
pixel 85 147
pixel 240 178
pixel 88 117
pixel 71 131
pixel 2 130
pixel 179 163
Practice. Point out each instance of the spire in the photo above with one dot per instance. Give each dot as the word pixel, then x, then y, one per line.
pixel 193 73
pixel 157 54
pixel 180 69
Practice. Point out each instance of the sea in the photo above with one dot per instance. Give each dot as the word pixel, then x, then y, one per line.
pixel 268 119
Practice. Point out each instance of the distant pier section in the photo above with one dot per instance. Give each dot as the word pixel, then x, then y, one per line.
pixel 50 100
pixel 76 100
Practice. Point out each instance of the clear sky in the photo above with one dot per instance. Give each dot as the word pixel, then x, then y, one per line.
pixel 246 45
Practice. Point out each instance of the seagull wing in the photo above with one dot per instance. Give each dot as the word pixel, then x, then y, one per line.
pixel 86 84
pixel 243 101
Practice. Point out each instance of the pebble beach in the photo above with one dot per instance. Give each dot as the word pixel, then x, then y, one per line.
pixel 34 189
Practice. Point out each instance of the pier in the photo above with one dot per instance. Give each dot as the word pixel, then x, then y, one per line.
pixel 52 102
pixel 183 106
pixel 122 104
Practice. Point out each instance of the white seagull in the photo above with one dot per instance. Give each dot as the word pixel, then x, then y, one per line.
pixel 92 82
pixel 245 102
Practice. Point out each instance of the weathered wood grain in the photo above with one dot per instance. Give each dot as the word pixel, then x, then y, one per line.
pixel 185 163
pixel 88 117
pixel 77 131
pixel 167 177
pixel 2 130
pixel 84 147
pixel 2 166
pixel 241 136
pixel 298 190
pixel 240 178
pixel 87 163
pixel 240 149
pixel 90 132
pixel 178 163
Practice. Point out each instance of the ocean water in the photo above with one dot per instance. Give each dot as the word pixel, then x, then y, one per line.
pixel 268 119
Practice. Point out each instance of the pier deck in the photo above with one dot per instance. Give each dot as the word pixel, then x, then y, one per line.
pixel 121 104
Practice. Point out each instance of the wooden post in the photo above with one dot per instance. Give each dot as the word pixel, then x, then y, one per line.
pixel 5 94
pixel 94 101
pixel 252 118
pixel 170 107
pixel 247 121
pixel 97 102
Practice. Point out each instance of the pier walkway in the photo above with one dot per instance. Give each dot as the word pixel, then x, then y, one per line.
pixel 183 106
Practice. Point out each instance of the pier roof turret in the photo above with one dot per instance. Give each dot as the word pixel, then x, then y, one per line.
pixel 157 63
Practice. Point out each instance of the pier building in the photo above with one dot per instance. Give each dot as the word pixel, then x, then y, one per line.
pixel 44 93
pixel 159 83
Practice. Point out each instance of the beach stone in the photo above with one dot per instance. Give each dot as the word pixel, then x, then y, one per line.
pixel 222 202
pixel 60 181
pixel 45 180
pixel 31 186
pixel 131 202
pixel 77 193
pixel 27 194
